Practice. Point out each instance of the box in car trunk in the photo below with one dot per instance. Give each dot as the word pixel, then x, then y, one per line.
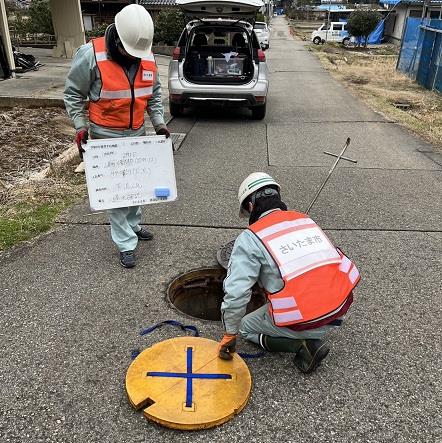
pixel 219 56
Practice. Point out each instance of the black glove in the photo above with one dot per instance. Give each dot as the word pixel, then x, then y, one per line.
pixel 81 138
pixel 163 131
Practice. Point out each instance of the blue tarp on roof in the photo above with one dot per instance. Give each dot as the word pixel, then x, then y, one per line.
pixel 332 8
pixel 376 37
pixel 409 2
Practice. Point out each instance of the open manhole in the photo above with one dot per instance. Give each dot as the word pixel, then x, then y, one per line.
pixel 199 294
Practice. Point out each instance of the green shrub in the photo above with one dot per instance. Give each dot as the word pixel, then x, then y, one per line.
pixel 362 23
pixel 168 26
pixel 260 17
pixel 36 20
pixel 98 31
pixel 40 17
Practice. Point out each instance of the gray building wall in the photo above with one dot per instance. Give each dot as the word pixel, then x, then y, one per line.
pixel 395 23
pixel 4 32
pixel 68 26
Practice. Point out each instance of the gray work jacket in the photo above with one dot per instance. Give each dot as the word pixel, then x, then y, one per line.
pixel 249 263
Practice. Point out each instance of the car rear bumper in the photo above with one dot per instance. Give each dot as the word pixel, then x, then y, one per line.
pixel 189 98
pixel 186 93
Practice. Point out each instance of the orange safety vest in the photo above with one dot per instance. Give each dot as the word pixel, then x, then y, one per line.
pixel 318 278
pixel 121 105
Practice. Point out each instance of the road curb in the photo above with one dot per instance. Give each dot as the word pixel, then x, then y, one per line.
pixel 30 102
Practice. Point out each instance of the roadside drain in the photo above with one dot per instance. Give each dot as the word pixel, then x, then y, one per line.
pixel 199 294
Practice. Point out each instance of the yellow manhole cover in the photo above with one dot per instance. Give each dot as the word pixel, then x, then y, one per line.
pixel 181 383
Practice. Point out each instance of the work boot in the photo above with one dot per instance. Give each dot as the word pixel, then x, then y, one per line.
pixel 310 355
pixel 279 344
pixel 127 259
pixel 144 234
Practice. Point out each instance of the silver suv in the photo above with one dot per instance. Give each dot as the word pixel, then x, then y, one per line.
pixel 218 58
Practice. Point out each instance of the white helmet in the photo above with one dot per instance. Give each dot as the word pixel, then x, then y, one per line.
pixel 251 184
pixel 135 29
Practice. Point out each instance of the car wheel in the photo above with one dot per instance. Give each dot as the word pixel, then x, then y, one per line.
pixel 175 109
pixel 258 112
pixel 317 40
pixel 346 41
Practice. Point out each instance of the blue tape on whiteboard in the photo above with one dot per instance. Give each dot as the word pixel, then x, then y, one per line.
pixel 162 192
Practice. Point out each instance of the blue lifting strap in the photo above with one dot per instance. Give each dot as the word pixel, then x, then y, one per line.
pixel 196 333
pixel 172 323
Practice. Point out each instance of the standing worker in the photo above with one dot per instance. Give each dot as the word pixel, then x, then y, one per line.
pixel 119 75
pixel 308 282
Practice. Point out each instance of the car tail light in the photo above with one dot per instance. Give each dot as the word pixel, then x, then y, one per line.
pixel 176 53
pixel 260 99
pixel 175 98
pixel 261 56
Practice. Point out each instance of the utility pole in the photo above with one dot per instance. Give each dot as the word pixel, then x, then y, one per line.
pixel 425 7
pixel 328 20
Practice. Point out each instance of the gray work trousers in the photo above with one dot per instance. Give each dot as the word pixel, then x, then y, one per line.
pixel 124 221
pixel 259 322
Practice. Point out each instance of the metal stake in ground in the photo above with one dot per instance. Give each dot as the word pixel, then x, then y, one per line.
pixel 339 157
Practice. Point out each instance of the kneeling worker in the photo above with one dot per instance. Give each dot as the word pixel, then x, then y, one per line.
pixel 308 282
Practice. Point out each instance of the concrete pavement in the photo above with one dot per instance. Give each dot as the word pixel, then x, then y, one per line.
pixel 71 315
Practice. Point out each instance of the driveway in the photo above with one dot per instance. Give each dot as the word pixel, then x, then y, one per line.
pixel 71 316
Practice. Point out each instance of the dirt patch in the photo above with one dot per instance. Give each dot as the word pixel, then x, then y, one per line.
pixel 299 34
pixel 371 74
pixel 31 138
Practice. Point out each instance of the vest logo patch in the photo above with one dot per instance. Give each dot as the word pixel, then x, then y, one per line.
pixel 147 76
pixel 301 250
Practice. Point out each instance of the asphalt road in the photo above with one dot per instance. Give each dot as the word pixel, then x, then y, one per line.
pixel 71 316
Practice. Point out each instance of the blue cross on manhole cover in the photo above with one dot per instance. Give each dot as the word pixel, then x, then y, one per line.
pixel 181 383
pixel 189 376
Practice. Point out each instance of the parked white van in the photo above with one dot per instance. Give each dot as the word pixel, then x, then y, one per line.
pixel 332 32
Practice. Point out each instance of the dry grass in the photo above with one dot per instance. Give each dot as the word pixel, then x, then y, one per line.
pixel 32 140
pixel 299 33
pixel 372 75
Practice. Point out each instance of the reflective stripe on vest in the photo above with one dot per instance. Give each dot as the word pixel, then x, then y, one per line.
pixel 121 106
pixel 345 267
pixel 283 303
pixel 289 317
pixel 126 93
pixel 317 277
pixel 278 227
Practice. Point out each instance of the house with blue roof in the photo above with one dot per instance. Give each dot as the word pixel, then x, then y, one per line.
pixel 400 10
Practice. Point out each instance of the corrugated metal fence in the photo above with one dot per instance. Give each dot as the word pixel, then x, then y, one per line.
pixel 421 52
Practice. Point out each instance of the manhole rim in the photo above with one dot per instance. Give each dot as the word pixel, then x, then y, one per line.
pixel 218 269
pixel 174 279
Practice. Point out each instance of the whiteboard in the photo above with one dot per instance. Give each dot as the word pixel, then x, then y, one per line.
pixel 129 171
